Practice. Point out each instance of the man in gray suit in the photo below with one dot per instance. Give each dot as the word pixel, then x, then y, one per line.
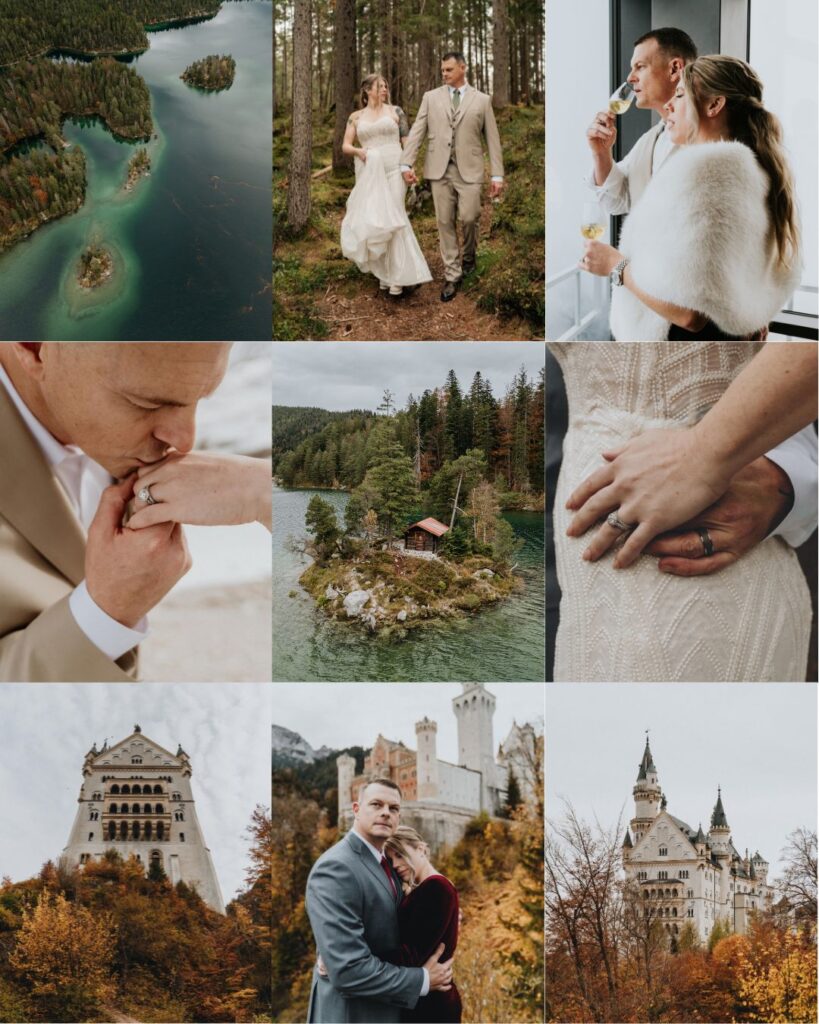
pixel 352 902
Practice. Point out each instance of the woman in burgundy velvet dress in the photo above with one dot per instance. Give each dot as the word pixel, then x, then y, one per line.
pixel 427 917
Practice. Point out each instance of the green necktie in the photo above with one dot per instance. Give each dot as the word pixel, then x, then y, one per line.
pixel 456 99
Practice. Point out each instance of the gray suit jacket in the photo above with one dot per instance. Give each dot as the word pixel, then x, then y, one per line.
pixel 354 917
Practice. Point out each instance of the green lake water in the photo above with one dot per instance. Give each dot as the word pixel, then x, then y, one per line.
pixel 191 243
pixel 505 643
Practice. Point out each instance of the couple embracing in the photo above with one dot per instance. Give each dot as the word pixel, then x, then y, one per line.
pixel 456 120
pixel 385 922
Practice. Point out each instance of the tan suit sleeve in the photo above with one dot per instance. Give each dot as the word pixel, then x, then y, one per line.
pixel 493 142
pixel 417 134
pixel 53 649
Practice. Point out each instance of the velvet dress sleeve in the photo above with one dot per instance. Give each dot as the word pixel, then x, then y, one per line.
pixel 427 917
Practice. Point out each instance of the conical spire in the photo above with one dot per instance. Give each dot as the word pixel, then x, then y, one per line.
pixel 647 764
pixel 718 819
pixel 700 836
pixel 627 843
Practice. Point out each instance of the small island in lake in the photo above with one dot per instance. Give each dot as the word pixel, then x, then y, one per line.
pixel 213 73
pixel 138 166
pixel 96 267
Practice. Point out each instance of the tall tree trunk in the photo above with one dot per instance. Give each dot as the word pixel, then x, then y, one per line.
pixel 275 41
pixel 344 57
pixel 500 54
pixel 525 83
pixel 319 61
pixel 301 132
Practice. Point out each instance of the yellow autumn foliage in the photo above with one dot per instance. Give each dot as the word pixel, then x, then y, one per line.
pixel 779 984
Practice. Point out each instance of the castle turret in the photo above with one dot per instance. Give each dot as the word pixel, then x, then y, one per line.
pixel 647 795
pixel 474 709
pixel 427 759
pixel 719 835
pixel 628 846
pixel 760 866
pixel 345 766
pixel 136 798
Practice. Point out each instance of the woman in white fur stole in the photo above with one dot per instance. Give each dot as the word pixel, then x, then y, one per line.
pixel 711 250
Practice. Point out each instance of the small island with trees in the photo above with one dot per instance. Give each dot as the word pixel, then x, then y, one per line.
pixel 213 73
pixel 423 536
pixel 138 166
pixel 96 267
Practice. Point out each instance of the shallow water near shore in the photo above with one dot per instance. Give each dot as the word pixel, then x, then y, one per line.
pixel 192 240
pixel 501 643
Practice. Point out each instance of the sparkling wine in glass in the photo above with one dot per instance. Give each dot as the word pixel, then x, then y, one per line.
pixel 621 99
pixel 593 224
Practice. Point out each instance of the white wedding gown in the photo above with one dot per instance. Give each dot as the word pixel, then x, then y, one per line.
pixel 376 233
pixel 749 622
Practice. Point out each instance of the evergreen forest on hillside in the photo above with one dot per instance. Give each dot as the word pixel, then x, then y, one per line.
pixel 109 943
pixel 316 448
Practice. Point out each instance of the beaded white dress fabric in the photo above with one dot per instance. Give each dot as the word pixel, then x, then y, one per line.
pixel 749 622
pixel 376 232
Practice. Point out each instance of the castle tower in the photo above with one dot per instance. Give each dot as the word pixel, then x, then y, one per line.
pixel 760 867
pixel 427 760
pixel 136 798
pixel 345 765
pixel 719 835
pixel 647 795
pixel 474 709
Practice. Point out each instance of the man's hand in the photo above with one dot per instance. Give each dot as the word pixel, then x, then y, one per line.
pixel 440 974
pixel 495 189
pixel 602 134
pixel 128 572
pixel 757 500
pixel 409 177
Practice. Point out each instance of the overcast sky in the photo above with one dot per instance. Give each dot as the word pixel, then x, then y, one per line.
pixel 341 715
pixel 352 375
pixel 758 741
pixel 49 729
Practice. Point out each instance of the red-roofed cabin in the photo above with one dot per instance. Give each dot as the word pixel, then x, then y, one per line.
pixel 424 535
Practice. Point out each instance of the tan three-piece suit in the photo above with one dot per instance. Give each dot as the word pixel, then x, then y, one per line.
pixel 454 164
pixel 42 556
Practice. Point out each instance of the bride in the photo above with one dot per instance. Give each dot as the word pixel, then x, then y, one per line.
pixel 675 421
pixel 711 250
pixel 376 233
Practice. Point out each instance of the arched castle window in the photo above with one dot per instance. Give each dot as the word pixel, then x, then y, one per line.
pixel 112 809
pixel 663 851
pixel 645 894
pixel 135 830
pixel 123 830
pixel 146 809
pixel 157 789
pixel 156 858
pixel 653 893
pixel 135 809
pixel 90 836
pixel 176 796
pixel 123 809
pixel 148 831
pixel 159 809
pixel 160 830
pixel 112 830
pixel 136 760
pixel 673 911
pixel 181 837
pixel 674 893
pixel 97 796
pixel 675 929
pixel 115 788
pixel 126 789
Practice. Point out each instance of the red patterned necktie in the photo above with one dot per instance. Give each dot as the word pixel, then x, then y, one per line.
pixel 386 866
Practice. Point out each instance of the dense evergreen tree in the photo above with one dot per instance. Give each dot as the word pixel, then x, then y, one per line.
pixel 213 73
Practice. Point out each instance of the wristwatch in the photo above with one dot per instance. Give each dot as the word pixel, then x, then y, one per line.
pixel 616 276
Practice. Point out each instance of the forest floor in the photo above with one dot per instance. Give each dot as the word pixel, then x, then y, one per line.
pixel 318 294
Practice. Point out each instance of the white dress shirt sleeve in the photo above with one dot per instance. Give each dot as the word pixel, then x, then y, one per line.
pixel 425 986
pixel 613 194
pixel 797 456
pixel 110 636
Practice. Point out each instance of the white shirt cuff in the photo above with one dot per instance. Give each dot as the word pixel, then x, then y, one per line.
pixel 497 177
pixel 404 167
pixel 110 636
pixel 797 456
pixel 425 986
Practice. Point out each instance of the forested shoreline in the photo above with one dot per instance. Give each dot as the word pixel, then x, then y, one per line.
pixel 317 448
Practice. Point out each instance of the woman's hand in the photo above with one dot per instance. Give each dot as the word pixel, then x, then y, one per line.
pixel 204 489
pixel 656 481
pixel 362 155
pixel 600 259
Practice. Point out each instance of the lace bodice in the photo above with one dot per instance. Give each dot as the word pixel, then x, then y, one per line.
pixel 750 622
pixel 381 132
pixel 663 380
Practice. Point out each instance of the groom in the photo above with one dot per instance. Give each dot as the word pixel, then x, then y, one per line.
pixel 352 902
pixel 76 420
pixel 455 119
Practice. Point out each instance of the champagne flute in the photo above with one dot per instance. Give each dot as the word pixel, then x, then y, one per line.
pixel 593 224
pixel 621 99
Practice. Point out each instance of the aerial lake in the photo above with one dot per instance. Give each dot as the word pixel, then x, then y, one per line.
pixel 504 643
pixel 191 242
